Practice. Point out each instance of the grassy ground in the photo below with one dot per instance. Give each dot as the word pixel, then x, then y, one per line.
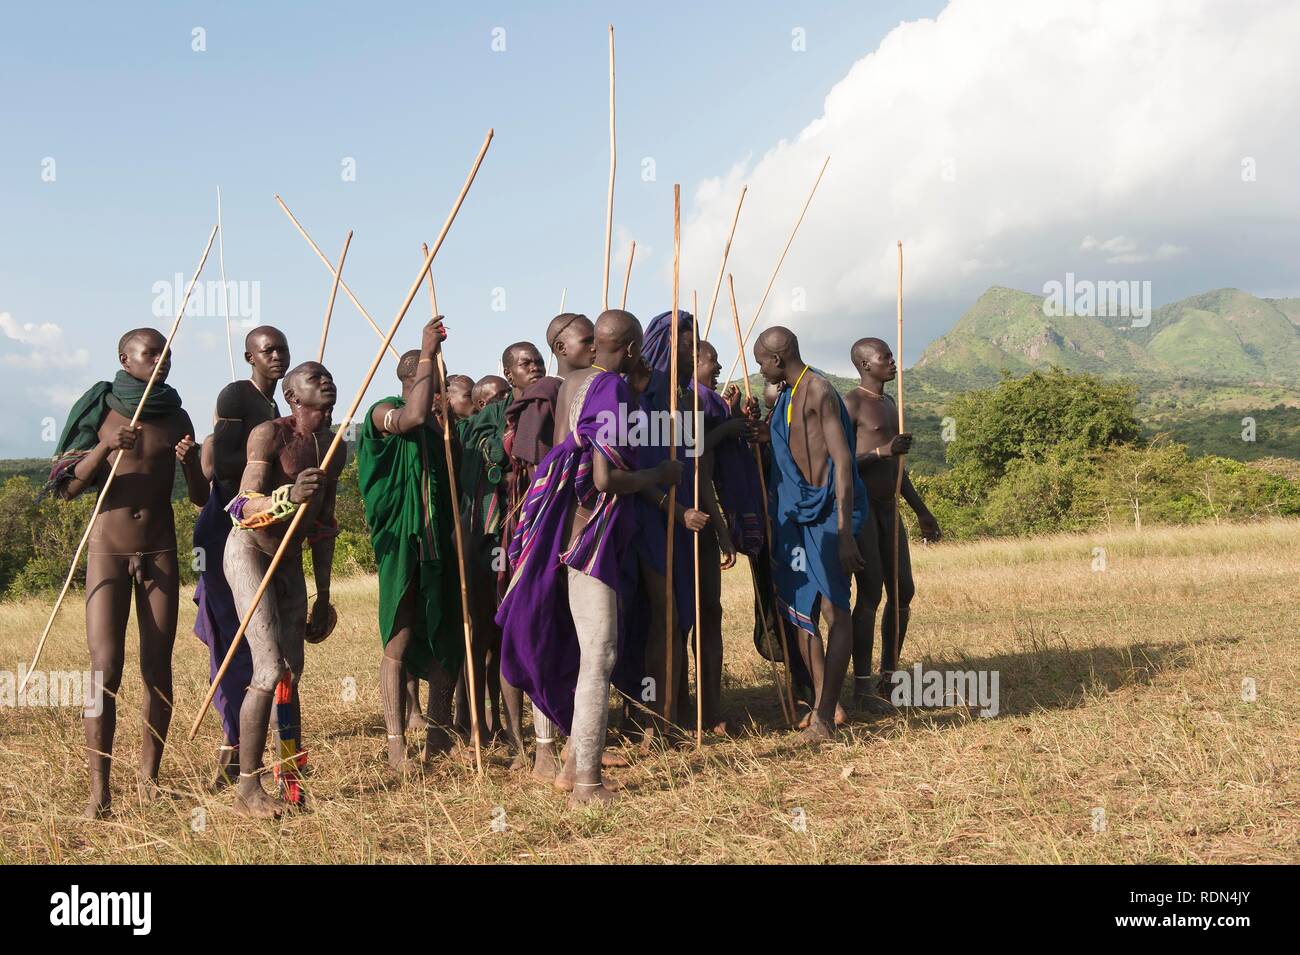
pixel 1121 690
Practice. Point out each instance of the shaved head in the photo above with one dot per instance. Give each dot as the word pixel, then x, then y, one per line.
pixel 488 389
pixel 866 346
pixel 460 383
pixel 291 379
pixel 508 356
pixel 268 331
pixel 406 365
pixel 133 334
pixel 617 328
pixel 779 341
pixel 560 323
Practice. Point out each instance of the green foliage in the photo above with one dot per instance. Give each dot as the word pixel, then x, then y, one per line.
pixel 1042 415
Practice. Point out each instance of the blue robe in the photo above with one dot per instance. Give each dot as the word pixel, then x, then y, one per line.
pixel 805 557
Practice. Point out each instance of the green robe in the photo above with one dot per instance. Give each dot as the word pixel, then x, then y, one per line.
pixel 404 486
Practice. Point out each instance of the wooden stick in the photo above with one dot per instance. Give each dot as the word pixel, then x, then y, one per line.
pixel 334 291
pixel 112 471
pixel 726 251
pixel 784 688
pixel 898 478
pixel 460 541
pixel 627 277
pixel 613 164
pixel 759 311
pixel 669 636
pixel 225 300
pixel 329 265
pixel 563 293
pixel 290 532
pixel 699 448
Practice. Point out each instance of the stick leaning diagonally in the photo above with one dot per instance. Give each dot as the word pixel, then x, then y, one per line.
pixel 784 688
pixel 329 265
pixel 726 251
pixel 338 436
pixel 225 298
pixel 669 603
pixel 334 291
pixel 112 471
pixel 763 301
pixel 627 276
pixel 454 494
pixel 898 478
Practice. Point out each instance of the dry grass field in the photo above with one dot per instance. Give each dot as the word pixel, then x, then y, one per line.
pixel 1120 689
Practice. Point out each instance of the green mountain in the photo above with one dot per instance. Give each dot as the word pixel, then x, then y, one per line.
pixel 1221 337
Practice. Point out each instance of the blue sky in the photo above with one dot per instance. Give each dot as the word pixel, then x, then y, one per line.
pixel 142 129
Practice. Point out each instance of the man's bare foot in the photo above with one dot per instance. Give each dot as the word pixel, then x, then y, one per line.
pixel 613 759
pixel 584 794
pixel 719 728
pixel 564 779
pixel 100 806
pixel 147 789
pixel 546 766
pixel 840 716
pixel 438 742
pixel 416 721
pixel 807 717
pixel 817 732
pixel 396 753
pixel 255 802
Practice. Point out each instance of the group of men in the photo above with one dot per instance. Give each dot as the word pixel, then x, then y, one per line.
pixel 566 489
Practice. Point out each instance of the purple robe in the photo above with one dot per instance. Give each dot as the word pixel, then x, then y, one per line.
pixel 735 477
pixel 217 619
pixel 539 647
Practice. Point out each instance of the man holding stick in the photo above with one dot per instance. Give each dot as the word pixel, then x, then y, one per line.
pixel 132 548
pixel 241 407
pixel 647 653
pixel 560 618
pixel 818 503
pixel 403 476
pixel 282 475
pixel 875 421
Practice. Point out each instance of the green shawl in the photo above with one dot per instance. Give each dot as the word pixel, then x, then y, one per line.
pixel 81 432
pixel 482 471
pixel 404 487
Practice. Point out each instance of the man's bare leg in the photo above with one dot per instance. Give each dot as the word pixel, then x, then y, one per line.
pixel 868 696
pixel 831 669
pixel 414 718
pixel 595 617
pixel 512 698
pixel 711 634
pixel 108 608
pixel 392 688
pixel 254 725
pixel 156 603
pixel 656 659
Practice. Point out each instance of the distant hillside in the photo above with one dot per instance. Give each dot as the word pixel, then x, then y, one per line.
pixel 1221 337
pixel 1203 364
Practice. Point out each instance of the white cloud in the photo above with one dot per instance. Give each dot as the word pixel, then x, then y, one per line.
pixel 991 137
pixel 46 347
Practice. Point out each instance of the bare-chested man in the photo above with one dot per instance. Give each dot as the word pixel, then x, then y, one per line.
pixel 818 503
pixel 560 618
pixel 283 474
pixel 530 434
pixel 131 553
pixel 241 407
pixel 879 455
